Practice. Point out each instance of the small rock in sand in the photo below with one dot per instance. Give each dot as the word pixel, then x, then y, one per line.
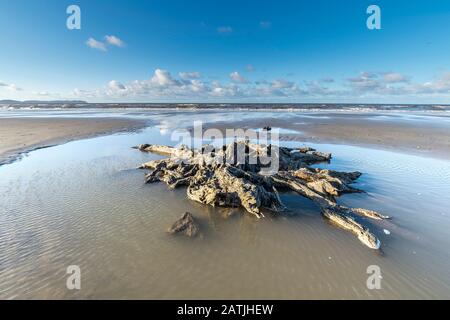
pixel 186 225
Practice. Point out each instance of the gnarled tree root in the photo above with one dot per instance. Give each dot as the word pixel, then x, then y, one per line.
pixel 218 177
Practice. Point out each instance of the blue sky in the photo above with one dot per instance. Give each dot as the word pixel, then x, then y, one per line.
pixel 224 51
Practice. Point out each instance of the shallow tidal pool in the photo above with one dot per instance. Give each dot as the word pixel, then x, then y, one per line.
pixel 84 203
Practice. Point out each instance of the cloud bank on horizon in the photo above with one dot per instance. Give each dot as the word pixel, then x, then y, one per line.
pixel 191 86
pixel 288 51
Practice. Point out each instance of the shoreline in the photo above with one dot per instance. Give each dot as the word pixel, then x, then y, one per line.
pixel 427 139
pixel 20 136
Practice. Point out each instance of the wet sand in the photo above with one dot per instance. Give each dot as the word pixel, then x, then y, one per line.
pixel 83 203
pixel 420 137
pixel 21 135
pixel 426 136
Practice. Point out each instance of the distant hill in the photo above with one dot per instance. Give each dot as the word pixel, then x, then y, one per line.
pixel 9 102
pixel 42 102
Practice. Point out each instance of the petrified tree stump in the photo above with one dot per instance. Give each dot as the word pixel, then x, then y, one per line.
pixel 218 177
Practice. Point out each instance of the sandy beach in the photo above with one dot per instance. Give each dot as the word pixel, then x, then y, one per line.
pixel 84 202
pixel 20 135
pixel 421 137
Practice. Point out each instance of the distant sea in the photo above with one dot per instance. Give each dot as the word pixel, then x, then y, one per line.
pixel 233 106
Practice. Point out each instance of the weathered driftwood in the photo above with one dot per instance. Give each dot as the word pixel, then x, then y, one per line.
pixel 186 225
pixel 219 177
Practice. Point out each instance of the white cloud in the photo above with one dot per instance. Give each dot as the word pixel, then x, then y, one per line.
pixel 116 85
pixel 10 87
pixel 95 44
pixel 237 78
pixel 198 86
pixel 440 85
pixel 393 77
pixel 227 91
pixel 365 81
pixel 225 30
pixel 391 83
pixel 13 87
pixel 114 41
pixel 189 75
pixel 87 94
pixel 282 84
pixel 163 78
pixel 161 85
pixel 42 93
pixel 103 46
pixel 317 88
